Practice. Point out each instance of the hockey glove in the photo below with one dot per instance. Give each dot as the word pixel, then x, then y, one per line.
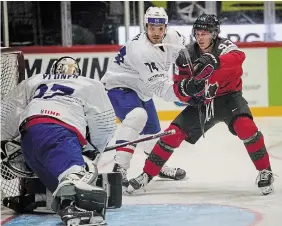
pixel 195 101
pixel 188 87
pixel 205 66
pixel 181 68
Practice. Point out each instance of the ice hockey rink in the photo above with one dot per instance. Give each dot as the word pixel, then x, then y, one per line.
pixel 219 190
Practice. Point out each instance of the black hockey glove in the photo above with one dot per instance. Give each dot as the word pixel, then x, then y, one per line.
pixel 183 65
pixel 189 87
pixel 205 66
pixel 21 204
pixel 195 101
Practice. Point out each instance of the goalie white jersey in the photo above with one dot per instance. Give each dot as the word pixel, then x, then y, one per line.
pixel 143 67
pixel 74 100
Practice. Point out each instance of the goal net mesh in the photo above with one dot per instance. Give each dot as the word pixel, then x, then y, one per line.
pixel 12 72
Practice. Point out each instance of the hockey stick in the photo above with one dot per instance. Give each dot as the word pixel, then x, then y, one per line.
pixel 166 133
pixel 190 65
pixel 188 58
pixel 13 163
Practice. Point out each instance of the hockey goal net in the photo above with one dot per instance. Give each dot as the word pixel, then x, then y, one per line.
pixel 12 72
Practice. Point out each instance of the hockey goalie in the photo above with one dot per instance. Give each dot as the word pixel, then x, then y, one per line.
pixel 55 116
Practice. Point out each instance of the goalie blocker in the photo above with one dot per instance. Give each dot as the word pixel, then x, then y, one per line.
pixel 36 198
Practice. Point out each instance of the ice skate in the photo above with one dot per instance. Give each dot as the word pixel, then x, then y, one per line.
pixel 265 181
pixel 172 173
pixel 139 182
pixel 120 169
pixel 74 216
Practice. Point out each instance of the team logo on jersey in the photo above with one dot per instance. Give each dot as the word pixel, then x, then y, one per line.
pixel 211 90
pixel 156 76
pixel 49 112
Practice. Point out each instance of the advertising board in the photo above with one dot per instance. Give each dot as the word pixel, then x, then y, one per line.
pixel 236 33
pixel 258 77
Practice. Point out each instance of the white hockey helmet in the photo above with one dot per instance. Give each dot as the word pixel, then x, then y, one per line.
pixel 65 65
pixel 155 15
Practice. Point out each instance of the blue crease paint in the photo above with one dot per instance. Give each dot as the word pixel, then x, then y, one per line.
pixel 157 215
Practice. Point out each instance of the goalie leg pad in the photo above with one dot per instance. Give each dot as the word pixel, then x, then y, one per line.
pixel 112 184
pixel 78 185
pixel 94 199
pixel 87 197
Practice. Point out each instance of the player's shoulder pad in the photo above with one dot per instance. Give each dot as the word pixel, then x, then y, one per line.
pixel 93 85
pixel 89 80
pixel 225 45
pixel 175 36
pixel 36 77
pixel 137 41
pixel 138 46
pixel 171 31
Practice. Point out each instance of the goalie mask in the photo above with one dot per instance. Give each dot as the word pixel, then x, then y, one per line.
pixel 65 65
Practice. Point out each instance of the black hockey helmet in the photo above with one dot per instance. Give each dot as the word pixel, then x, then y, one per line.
pixel 208 22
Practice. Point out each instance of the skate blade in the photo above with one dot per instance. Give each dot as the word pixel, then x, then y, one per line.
pixel 267 190
pixel 73 222
pixel 124 189
pixel 76 222
pixel 131 190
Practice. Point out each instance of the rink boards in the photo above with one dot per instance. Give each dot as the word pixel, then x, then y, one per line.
pixel 262 77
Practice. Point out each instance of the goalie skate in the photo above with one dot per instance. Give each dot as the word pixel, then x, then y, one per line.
pixel 265 181
pixel 172 173
pixel 74 216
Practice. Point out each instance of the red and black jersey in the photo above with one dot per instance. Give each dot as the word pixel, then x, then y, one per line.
pixel 227 78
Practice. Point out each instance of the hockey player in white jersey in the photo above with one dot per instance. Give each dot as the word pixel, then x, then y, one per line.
pixel 139 71
pixel 54 112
